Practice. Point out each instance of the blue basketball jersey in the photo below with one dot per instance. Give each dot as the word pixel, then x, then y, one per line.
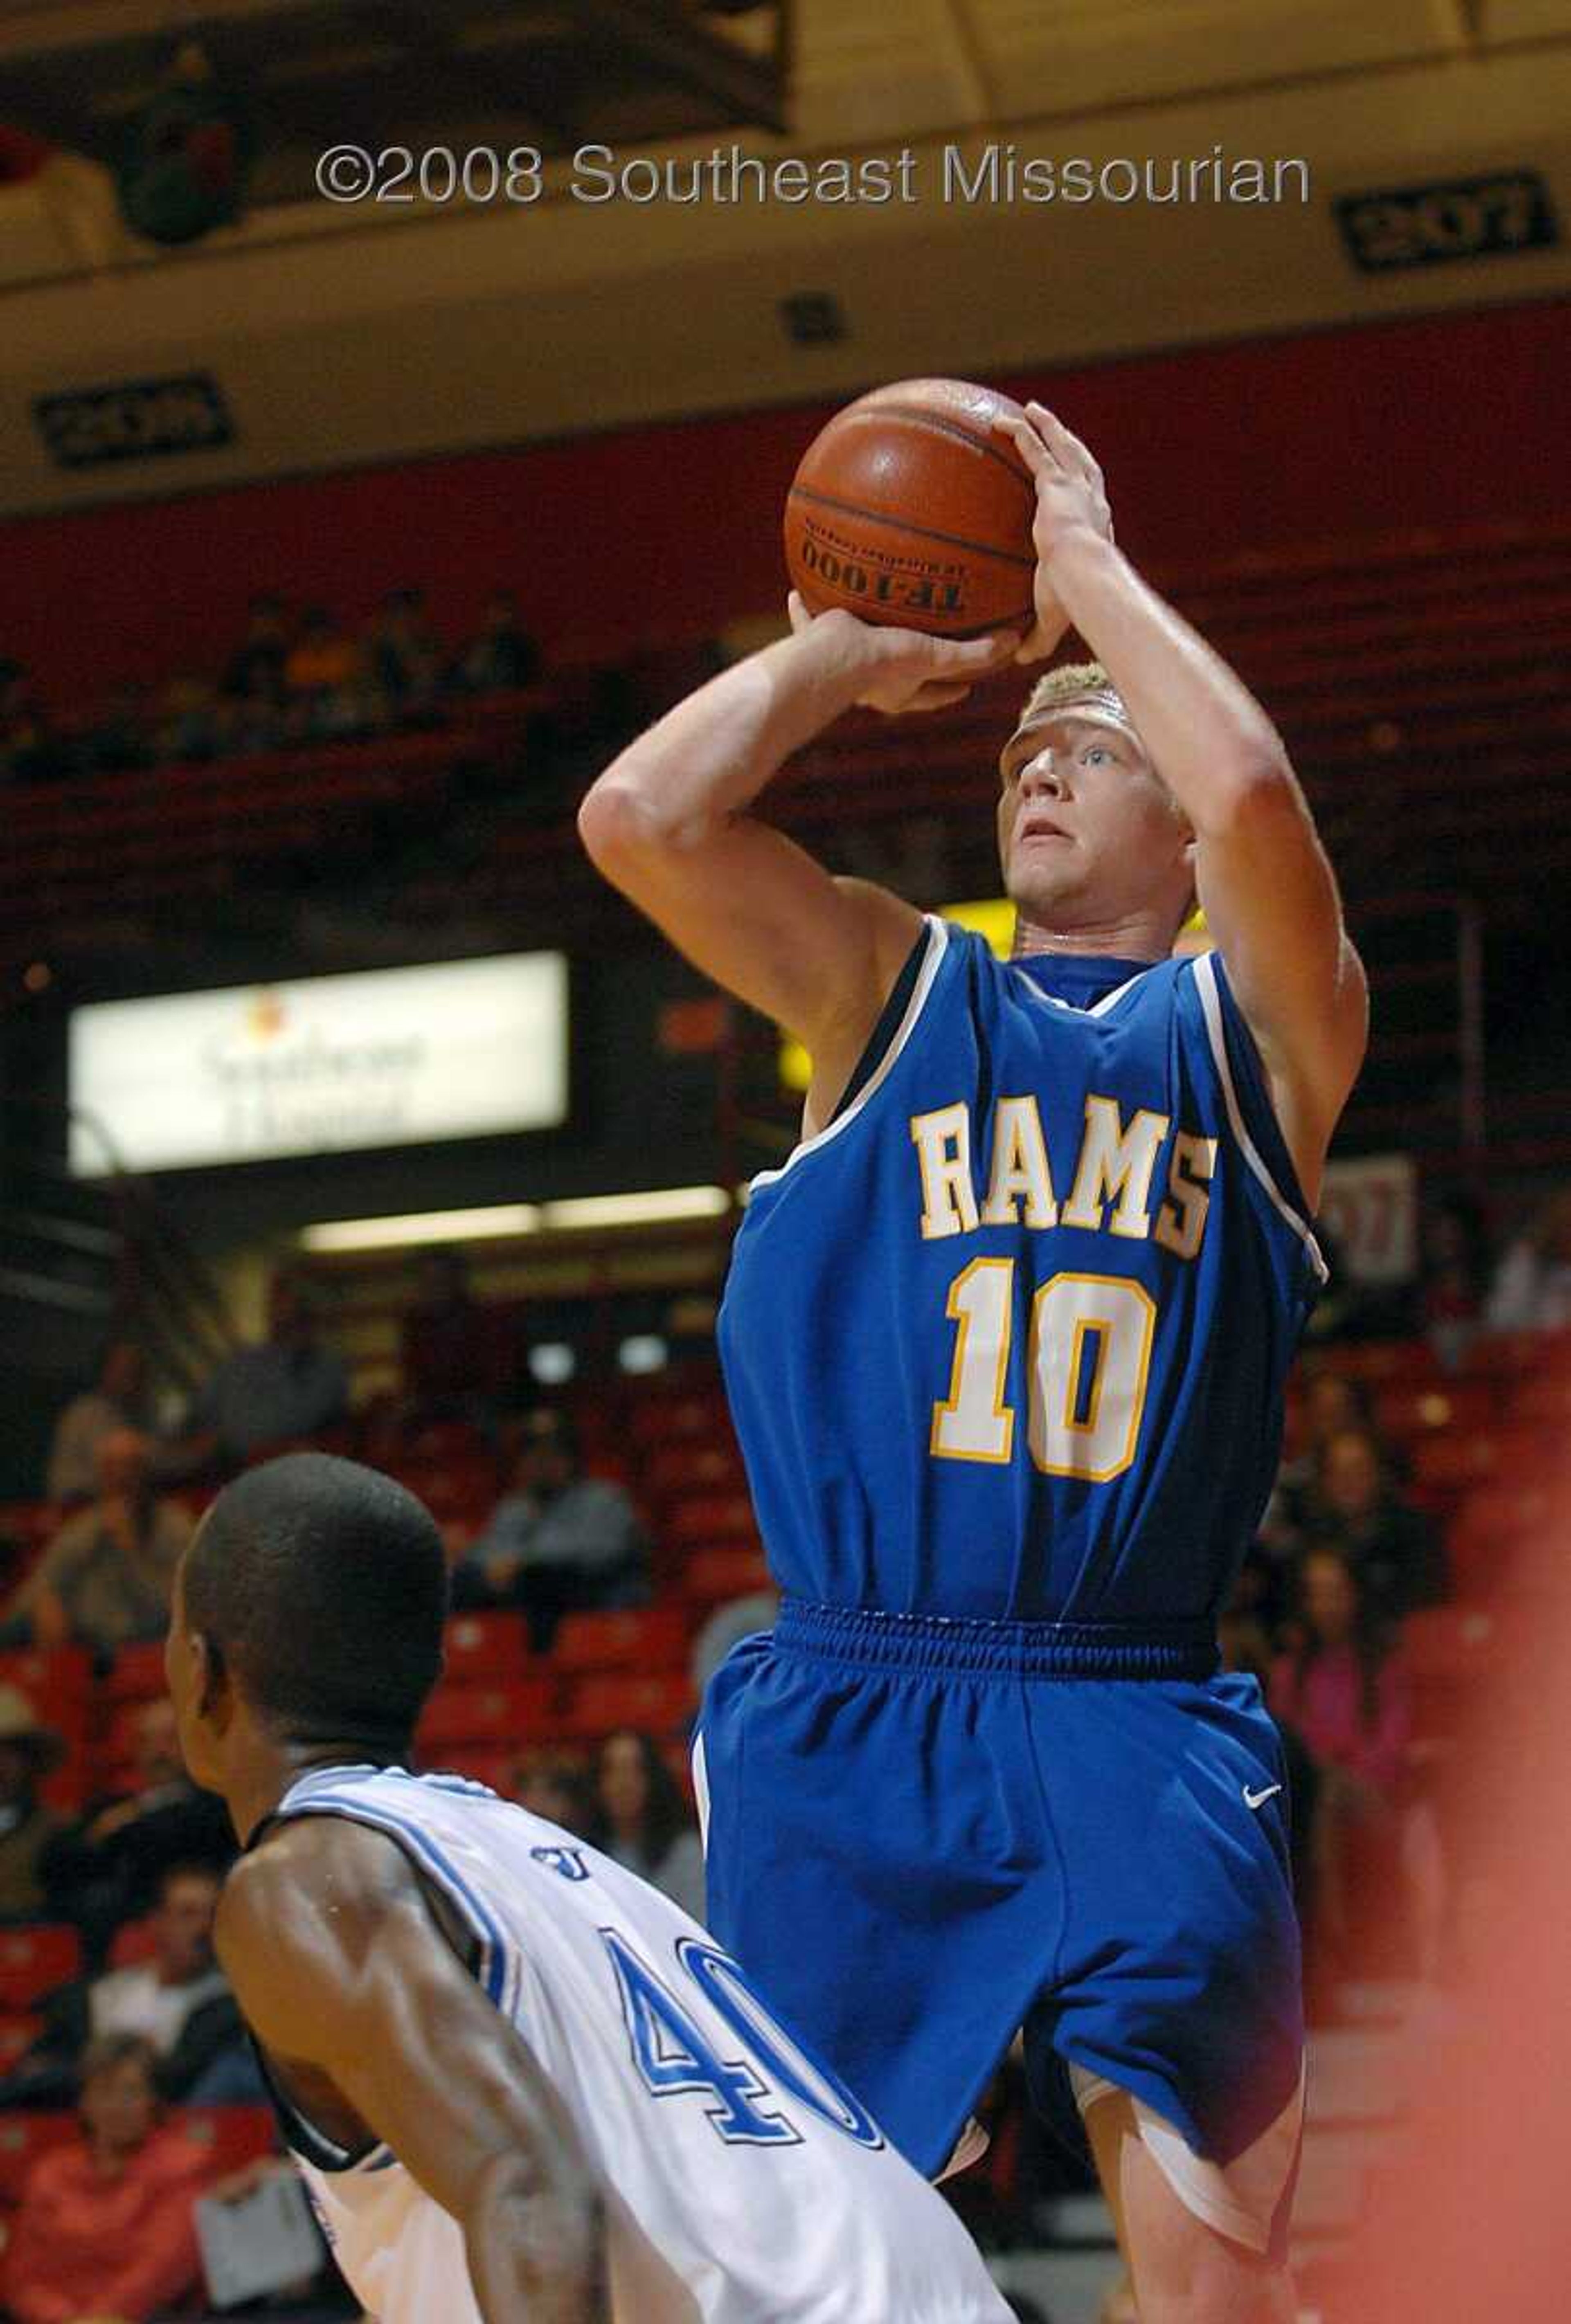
pixel 1008 1339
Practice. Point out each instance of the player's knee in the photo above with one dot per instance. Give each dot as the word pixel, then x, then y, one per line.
pixel 1221 2283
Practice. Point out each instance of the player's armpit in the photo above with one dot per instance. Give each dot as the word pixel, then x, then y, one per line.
pixel 338 1964
pixel 1270 899
pixel 754 911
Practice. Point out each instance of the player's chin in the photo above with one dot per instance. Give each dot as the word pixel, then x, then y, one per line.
pixel 1034 890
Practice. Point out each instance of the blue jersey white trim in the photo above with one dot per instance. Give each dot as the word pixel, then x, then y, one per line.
pixel 937 943
pixel 1211 1002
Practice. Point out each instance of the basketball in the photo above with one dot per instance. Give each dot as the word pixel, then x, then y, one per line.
pixel 911 509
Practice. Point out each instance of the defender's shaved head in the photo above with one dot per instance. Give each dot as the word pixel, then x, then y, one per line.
pixel 322 1588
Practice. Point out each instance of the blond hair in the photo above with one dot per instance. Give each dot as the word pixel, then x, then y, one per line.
pixel 1065 683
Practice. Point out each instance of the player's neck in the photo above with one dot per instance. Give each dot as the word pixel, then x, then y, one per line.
pixel 1137 937
pixel 271 1767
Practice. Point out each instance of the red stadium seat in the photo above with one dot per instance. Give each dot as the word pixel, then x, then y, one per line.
pixel 1402 1363
pixel 642 1637
pixel 697 1413
pixel 483 1764
pixel 29 1523
pixel 34 1960
pixel 711 1517
pixel 516 1711
pixel 656 1701
pixel 680 1468
pixel 1510 1355
pixel 18 2033
pixel 24 2138
pixel 235 2134
pixel 725 1570
pixel 58 1680
pixel 1448 1463
pixel 1544 1396
pixel 1408 1415
pixel 135 1941
pixel 137 1675
pixel 485 1646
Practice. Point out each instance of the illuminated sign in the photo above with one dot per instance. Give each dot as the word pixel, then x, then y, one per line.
pixel 395 1056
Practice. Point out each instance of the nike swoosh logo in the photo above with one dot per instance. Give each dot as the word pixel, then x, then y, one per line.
pixel 1259 1799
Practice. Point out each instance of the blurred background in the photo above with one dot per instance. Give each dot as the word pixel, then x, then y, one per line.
pixel 342 543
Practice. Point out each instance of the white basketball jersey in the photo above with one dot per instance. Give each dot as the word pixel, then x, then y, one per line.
pixel 742 2184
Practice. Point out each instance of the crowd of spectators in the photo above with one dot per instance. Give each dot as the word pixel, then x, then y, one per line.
pixel 299 674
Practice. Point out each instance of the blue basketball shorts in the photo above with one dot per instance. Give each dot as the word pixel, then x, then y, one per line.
pixel 923 1835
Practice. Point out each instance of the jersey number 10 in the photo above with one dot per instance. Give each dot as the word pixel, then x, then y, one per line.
pixel 1087 1360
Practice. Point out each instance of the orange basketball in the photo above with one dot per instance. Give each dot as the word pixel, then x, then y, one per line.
pixel 910 509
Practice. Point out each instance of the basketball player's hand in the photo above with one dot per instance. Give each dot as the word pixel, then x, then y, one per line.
pixel 1071 496
pixel 906 669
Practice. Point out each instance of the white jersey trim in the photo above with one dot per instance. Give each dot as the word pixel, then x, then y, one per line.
pixel 1098 1008
pixel 1211 1008
pixel 938 945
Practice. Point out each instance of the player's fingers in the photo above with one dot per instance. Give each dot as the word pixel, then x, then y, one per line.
pixel 1027 443
pixel 800 619
pixel 971 658
pixel 1063 441
pixel 935 695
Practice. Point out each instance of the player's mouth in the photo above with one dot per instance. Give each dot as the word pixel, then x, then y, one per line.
pixel 1039 826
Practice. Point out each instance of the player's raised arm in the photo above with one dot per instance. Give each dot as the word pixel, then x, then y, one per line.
pixel 667 823
pixel 346 1972
pixel 1268 889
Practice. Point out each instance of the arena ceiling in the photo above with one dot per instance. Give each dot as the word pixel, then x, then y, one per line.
pixel 339 334
pixel 552 73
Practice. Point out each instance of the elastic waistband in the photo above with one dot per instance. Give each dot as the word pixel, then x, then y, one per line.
pixel 938 1642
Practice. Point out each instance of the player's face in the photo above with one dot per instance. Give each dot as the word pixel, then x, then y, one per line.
pixel 1087 832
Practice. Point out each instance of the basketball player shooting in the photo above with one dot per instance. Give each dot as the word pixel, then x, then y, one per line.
pixel 522 2087
pixel 1006 1341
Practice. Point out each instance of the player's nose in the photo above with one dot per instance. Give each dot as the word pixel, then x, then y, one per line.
pixel 1041 776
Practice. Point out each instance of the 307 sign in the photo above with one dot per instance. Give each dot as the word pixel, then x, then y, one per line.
pixel 1436 225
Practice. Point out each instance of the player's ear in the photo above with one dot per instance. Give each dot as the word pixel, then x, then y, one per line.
pixel 209 1678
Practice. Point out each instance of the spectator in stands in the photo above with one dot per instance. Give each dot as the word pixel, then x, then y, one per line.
pixel 1454 1267
pixel 406 657
pixel 104 1579
pixel 558 1542
pixel 1531 1291
pixel 285 1387
pixel 118 1402
pixel 459 1354
pixel 119 740
pixel 108 1868
pixel 105 2233
pixel 193 724
pixel 1355 1509
pixel 31 751
pixel 29 1751
pixel 556 1785
pixel 645 1820
pixel 178 2000
pixel 1343 1693
pixel 325 677
pixel 257 668
pixel 504 656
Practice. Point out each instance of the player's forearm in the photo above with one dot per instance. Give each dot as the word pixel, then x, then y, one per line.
pixel 535 2251
pixel 1210 740
pixel 709 758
